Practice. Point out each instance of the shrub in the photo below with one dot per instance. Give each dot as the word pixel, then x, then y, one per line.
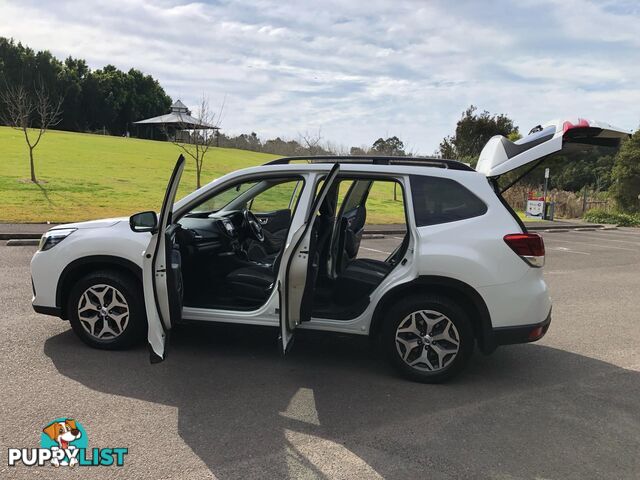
pixel 623 219
pixel 626 175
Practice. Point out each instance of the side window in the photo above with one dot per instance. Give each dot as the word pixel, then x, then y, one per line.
pixel 282 196
pixel 442 200
pixel 385 203
pixel 363 204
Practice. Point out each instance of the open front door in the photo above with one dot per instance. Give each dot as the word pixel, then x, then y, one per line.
pixel 500 155
pixel 300 265
pixel 162 274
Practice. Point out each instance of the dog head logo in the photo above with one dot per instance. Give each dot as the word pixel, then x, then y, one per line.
pixel 65 435
pixel 63 432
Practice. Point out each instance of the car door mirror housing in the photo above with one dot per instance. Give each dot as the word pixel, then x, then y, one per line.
pixel 143 222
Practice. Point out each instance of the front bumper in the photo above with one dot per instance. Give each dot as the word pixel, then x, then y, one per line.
pixel 54 311
pixel 521 333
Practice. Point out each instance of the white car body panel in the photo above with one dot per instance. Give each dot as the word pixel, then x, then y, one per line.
pixel 115 241
pixel 155 272
pixel 477 257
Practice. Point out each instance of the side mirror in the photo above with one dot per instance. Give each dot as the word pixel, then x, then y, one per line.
pixel 143 222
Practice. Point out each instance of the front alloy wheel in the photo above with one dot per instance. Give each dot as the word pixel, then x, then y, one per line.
pixel 103 311
pixel 106 310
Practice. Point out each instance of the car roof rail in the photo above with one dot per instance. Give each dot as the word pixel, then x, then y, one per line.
pixel 376 160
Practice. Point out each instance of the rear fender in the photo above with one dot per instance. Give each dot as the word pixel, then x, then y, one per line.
pixel 457 290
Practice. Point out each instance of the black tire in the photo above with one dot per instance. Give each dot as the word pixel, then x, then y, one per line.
pixel 130 288
pixel 437 303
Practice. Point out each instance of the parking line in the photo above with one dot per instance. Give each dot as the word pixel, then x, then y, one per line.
pixel 374 250
pixel 593 245
pixel 603 237
pixel 624 233
pixel 568 250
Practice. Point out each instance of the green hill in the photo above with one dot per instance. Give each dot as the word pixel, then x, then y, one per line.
pixel 92 176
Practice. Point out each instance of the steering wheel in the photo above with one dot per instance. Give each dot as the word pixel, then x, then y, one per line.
pixel 253 224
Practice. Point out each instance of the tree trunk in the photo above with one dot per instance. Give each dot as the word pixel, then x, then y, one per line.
pixel 198 170
pixel 33 169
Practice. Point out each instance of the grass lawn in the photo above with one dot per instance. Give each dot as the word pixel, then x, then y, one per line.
pixel 92 176
pixel 524 217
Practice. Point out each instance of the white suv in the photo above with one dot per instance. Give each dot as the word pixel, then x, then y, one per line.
pixel 279 245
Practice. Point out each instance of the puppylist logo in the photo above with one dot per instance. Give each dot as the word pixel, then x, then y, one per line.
pixel 63 442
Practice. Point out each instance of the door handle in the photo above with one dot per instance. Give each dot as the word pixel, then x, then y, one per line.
pixel 263 221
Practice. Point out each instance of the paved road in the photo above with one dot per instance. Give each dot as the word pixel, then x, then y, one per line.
pixel 224 404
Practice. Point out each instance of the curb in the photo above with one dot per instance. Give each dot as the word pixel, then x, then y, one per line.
pixel 566 227
pixel 535 228
pixel 20 236
pixel 374 233
pixel 24 242
pixel 385 232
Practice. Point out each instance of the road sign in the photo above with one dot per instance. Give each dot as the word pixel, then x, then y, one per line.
pixel 535 208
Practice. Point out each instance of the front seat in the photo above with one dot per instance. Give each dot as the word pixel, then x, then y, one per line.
pixel 253 284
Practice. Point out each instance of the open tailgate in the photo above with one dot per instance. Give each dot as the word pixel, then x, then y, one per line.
pixel 500 155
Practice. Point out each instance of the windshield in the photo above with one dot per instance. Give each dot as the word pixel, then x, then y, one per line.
pixel 222 199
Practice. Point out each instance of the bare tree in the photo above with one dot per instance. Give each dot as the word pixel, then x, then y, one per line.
pixel 31 112
pixel 312 142
pixel 195 138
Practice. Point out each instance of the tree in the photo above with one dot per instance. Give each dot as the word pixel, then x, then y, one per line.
pixel 106 99
pixel 626 175
pixel 196 142
pixel 392 146
pixel 312 143
pixel 24 110
pixel 473 131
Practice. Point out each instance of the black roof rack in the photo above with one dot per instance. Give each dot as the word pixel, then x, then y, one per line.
pixel 375 160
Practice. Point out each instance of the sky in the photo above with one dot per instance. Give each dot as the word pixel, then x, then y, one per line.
pixel 358 70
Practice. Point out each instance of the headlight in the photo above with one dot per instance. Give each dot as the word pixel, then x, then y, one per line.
pixel 54 237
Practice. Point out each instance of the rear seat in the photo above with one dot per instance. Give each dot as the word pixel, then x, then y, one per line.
pixel 360 277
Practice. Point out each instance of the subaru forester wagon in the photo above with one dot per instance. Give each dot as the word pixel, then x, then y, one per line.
pixel 280 245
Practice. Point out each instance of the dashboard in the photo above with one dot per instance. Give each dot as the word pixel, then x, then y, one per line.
pixel 214 233
pixel 229 227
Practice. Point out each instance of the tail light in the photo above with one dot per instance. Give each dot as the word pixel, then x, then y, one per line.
pixel 581 123
pixel 528 246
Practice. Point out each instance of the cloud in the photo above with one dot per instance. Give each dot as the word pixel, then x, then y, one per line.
pixel 360 69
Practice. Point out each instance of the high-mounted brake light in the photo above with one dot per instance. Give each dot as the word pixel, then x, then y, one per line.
pixel 528 246
pixel 582 123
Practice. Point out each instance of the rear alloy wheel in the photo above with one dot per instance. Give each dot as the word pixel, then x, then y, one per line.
pixel 106 310
pixel 428 338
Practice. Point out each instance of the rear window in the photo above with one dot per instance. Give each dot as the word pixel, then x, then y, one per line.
pixel 441 200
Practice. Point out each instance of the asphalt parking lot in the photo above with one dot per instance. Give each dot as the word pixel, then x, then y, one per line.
pixel 225 405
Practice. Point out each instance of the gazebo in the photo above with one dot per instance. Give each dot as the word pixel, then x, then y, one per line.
pixel 178 124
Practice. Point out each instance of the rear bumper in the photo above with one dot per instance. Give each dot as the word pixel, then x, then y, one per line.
pixel 521 333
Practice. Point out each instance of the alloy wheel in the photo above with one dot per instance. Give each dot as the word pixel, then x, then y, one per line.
pixel 103 312
pixel 427 340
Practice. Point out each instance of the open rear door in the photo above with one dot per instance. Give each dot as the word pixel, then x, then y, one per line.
pixel 500 155
pixel 298 269
pixel 162 273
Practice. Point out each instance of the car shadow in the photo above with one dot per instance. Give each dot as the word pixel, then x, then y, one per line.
pixel 333 407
